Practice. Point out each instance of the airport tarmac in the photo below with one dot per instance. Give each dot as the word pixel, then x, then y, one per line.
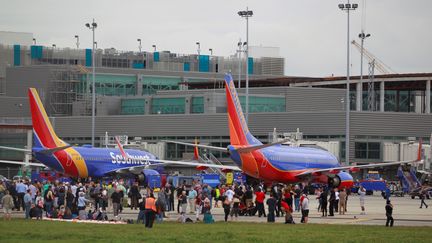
pixel 406 212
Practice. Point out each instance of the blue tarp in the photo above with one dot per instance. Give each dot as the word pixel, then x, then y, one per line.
pixel 373 185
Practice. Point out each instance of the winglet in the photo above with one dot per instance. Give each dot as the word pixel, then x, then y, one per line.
pixel 419 153
pixel 123 153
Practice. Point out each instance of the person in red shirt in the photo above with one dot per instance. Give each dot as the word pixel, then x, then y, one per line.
pixel 259 200
pixel 288 210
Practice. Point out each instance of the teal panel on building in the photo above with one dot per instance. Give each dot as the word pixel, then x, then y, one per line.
pixel 197 105
pixel 156 56
pixel 133 107
pixel 88 57
pixel 17 55
pixel 138 65
pixel 168 106
pixel 36 52
pixel 186 67
pixel 250 65
pixel 204 63
pixel 258 104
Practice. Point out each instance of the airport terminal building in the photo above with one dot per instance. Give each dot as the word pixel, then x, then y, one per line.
pixel 151 96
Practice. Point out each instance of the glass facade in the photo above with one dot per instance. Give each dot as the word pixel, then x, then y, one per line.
pixel 109 85
pixel 152 84
pixel 197 105
pixel 132 107
pixel 168 106
pixel 367 150
pixel 264 104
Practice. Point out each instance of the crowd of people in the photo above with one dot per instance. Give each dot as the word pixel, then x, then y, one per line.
pixel 93 200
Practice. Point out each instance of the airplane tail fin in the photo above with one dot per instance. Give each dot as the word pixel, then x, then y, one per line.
pixel 419 153
pixel 44 135
pixel 238 128
pixel 196 154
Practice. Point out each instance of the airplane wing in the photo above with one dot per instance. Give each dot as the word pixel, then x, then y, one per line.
pixel 16 149
pixel 21 163
pixel 354 168
pixel 256 147
pixel 336 170
pixel 239 149
pixel 159 162
pixel 44 151
pixel 198 145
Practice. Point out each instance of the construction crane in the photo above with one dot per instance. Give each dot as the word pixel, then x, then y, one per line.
pixel 379 65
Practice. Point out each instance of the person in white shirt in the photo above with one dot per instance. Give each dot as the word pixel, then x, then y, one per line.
pixel 305 208
pixel 229 194
pixel 337 200
pixel 362 193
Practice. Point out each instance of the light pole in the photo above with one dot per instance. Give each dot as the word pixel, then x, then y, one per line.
pixel 92 27
pixel 362 36
pixel 239 52
pixel 347 7
pixel 211 51
pixel 199 50
pixel 154 47
pixel 77 41
pixel 139 45
pixel 247 14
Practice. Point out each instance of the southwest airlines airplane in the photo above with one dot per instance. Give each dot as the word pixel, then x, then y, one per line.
pixel 281 163
pixel 86 161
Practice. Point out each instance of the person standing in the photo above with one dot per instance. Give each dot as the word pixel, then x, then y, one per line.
pixel 297 194
pixel 422 197
pixel 323 199
pixel 389 214
pixel 27 203
pixel 332 201
pixel 362 193
pixel 259 200
pixel 336 203
pixel 226 206
pixel 116 200
pixel 8 205
pixel 271 203
pixel 150 211
pixel 342 201
pixel 134 196
pixel 191 200
pixel 21 189
pixel 305 208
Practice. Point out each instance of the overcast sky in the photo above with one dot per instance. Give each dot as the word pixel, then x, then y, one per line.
pixel 311 34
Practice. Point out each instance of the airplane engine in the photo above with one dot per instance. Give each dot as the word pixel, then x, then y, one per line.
pixel 141 178
pixel 334 181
